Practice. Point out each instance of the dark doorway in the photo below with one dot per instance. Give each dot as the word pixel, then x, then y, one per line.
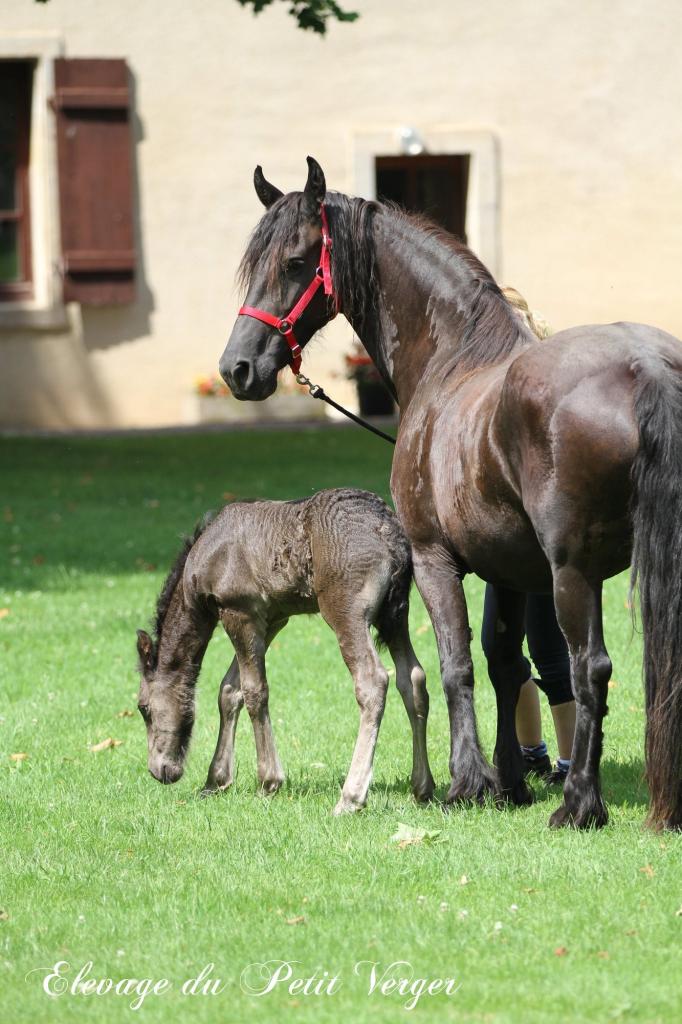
pixel 433 185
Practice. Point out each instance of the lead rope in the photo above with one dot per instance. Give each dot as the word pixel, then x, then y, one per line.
pixel 318 392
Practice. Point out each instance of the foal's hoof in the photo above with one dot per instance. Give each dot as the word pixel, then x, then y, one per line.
pixel 269 787
pixel 213 786
pixel 592 815
pixel 212 789
pixel 347 806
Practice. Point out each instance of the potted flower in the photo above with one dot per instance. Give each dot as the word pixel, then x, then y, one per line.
pixel 374 398
pixel 211 402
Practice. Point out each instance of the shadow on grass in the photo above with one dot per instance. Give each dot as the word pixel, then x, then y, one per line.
pixel 623 785
pixel 622 782
pixel 110 505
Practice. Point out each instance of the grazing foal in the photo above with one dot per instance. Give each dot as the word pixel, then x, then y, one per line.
pixel 340 552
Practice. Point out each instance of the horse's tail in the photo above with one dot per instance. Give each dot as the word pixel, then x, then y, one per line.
pixel 657 568
pixel 392 615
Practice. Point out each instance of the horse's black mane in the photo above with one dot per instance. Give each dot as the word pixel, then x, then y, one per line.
pixel 493 328
pixel 165 597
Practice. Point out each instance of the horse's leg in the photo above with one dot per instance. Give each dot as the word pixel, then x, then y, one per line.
pixel 579 612
pixel 250 643
pixel 370 679
pixel 441 589
pixel 507 676
pixel 230 703
pixel 411 683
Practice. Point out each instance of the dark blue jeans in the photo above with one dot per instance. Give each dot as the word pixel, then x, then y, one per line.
pixel 546 645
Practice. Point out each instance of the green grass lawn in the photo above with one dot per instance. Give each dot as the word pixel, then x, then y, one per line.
pixel 99 862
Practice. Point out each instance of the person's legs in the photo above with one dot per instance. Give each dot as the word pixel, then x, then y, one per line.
pixel 549 651
pixel 528 718
pixel 564 727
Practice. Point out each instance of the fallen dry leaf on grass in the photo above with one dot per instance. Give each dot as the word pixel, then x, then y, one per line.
pixel 296 920
pixel 4 612
pixel 18 757
pixel 603 954
pixel 648 871
pixel 420 630
pixel 125 714
pixel 4 916
pixel 678 913
pixel 464 880
pixel 409 836
pixel 106 744
pixel 144 565
pixel 560 951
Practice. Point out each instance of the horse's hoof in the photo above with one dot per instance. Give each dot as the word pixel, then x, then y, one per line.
pixel 520 795
pixel 213 786
pixel 423 791
pixel 472 791
pixel 270 786
pixel 474 787
pixel 585 816
pixel 347 806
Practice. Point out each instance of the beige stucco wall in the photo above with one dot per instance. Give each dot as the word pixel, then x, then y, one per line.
pixel 583 98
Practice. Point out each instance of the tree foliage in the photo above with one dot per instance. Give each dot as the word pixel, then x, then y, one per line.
pixel 311 15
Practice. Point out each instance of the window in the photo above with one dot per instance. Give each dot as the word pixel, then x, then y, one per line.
pixel 16 79
pixel 95 159
pixel 463 195
pixel 433 185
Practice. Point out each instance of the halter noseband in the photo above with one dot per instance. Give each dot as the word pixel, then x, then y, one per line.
pixel 285 324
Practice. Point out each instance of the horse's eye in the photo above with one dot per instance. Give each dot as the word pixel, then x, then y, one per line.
pixel 295 263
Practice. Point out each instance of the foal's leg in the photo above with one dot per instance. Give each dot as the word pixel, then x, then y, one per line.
pixel 507 677
pixel 411 683
pixel 579 611
pixel 230 703
pixel 441 589
pixel 371 683
pixel 250 643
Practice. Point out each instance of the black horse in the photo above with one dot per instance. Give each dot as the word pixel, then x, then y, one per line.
pixel 540 467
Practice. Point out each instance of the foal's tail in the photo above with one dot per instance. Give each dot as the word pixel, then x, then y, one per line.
pixel 657 567
pixel 395 606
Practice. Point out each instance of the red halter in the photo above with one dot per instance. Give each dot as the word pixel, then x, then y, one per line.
pixel 285 324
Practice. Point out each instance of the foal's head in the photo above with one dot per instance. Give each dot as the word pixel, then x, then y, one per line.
pixel 280 262
pixel 166 703
pixel 169 665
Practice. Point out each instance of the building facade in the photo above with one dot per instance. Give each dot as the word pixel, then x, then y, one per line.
pixel 549 134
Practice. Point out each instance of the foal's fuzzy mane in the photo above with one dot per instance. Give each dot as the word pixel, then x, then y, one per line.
pixel 175 575
pixel 493 329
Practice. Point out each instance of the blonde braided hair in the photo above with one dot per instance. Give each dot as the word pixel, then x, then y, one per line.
pixel 534 320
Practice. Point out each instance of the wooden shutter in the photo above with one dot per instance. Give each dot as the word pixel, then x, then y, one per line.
pixel 94 152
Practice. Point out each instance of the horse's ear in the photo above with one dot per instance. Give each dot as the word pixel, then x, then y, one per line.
pixel 315 187
pixel 266 192
pixel 145 648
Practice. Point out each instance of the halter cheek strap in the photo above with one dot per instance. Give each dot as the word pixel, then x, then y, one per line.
pixel 285 324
